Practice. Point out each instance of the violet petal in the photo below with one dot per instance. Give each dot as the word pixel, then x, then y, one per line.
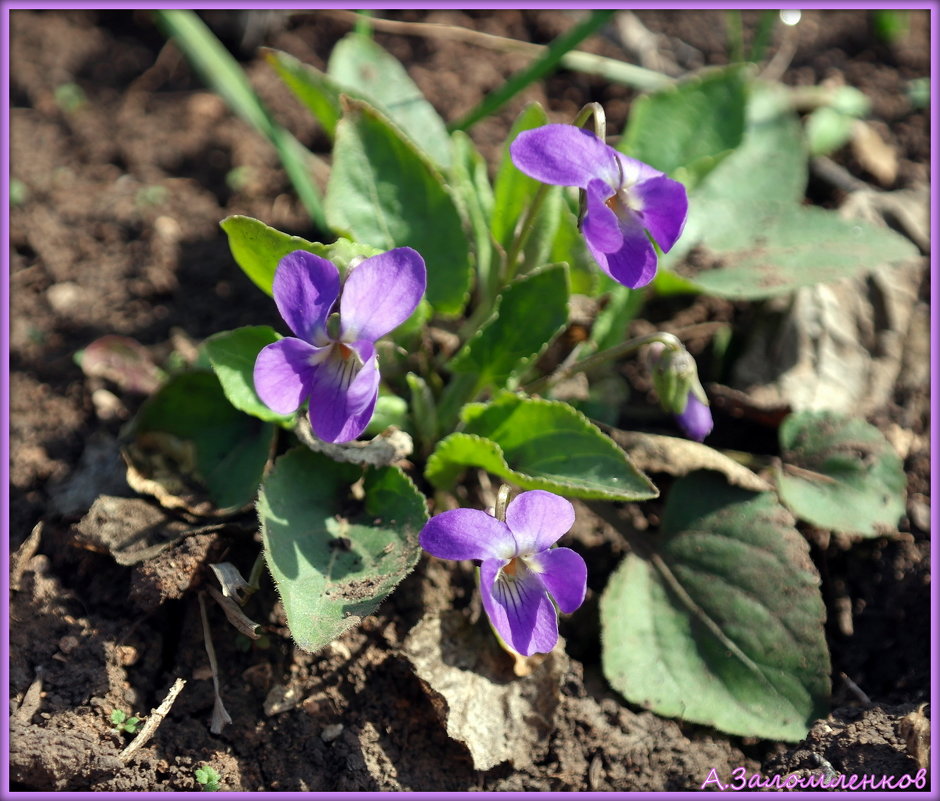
pixel 634 264
pixel 564 155
pixel 467 534
pixel 519 608
pixel 600 223
pixel 305 288
pixel 664 206
pixel 381 293
pixel 696 420
pixel 636 172
pixel 564 575
pixel 537 519
pixel 344 394
pixel 283 375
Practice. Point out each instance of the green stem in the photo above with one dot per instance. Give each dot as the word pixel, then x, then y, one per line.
pixel 733 27
pixel 363 26
pixel 254 579
pixel 512 262
pixel 461 389
pixel 510 266
pixel 592 361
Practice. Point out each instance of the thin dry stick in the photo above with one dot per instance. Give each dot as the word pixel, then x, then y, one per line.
pixel 156 718
pixel 23 554
pixel 220 716
pixel 856 690
pixel 577 60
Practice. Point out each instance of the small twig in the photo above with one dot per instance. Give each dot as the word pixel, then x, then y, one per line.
pixel 575 60
pixel 31 702
pixel 825 168
pixel 809 475
pixel 233 612
pixel 156 718
pixel 23 554
pixel 857 691
pixel 220 717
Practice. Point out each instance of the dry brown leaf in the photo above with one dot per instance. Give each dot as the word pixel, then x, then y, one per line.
pixel 389 447
pixel 130 529
pixel 654 453
pixel 874 153
pixel 473 685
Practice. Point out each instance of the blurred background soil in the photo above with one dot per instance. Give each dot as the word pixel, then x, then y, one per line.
pixel 125 165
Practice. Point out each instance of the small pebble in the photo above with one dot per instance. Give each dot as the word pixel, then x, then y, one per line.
pixel 65 296
pixel 331 732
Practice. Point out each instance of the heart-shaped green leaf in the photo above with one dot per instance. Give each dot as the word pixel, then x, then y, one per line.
pixel 361 66
pixel 335 559
pixel 748 236
pixel 840 473
pixel 538 444
pixel 233 355
pixel 723 622
pixel 384 192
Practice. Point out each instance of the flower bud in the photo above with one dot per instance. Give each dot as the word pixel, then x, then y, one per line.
pixel 675 378
pixel 696 419
pixel 674 375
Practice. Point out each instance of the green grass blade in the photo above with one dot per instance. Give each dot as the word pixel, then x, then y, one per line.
pixel 222 73
pixel 536 71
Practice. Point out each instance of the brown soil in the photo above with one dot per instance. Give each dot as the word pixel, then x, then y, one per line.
pixel 118 233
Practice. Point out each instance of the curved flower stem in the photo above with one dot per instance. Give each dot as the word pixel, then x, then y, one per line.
pixel 525 231
pixel 254 579
pixel 510 266
pixel 592 361
pixel 596 111
pixel 502 500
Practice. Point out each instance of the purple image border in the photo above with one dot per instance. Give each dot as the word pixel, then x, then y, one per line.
pixel 5 319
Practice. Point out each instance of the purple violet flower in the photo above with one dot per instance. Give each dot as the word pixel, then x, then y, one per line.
pixel 625 198
pixel 696 419
pixel 520 573
pixel 333 362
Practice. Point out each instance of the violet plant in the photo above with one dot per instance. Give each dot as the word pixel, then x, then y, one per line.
pixel 459 281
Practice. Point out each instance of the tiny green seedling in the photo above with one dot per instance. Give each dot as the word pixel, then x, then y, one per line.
pixel 122 723
pixel 208 777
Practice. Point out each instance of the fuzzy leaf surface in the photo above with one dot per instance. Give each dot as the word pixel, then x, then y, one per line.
pixel 538 444
pixel 685 129
pixel 363 68
pixel 335 559
pixel 841 473
pixel 385 193
pixel 723 623
pixel 529 313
